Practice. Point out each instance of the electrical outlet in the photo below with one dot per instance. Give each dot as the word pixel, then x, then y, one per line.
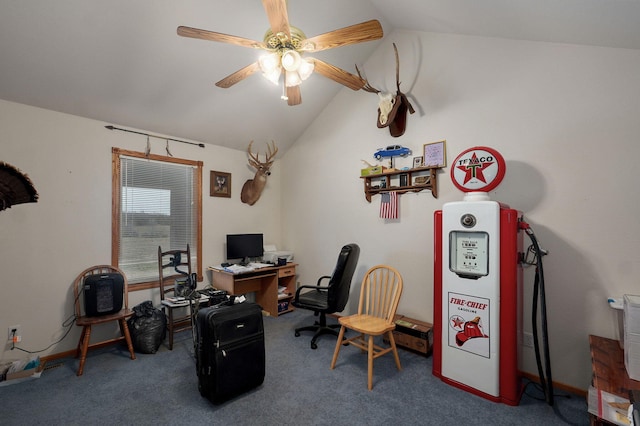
pixel 11 334
pixel 527 339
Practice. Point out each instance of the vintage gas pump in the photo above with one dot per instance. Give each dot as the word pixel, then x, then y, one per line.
pixel 478 250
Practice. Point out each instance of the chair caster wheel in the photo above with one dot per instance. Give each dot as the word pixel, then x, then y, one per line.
pixel 297 334
pixel 314 346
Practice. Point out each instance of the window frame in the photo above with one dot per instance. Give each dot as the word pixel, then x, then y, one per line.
pixel 116 153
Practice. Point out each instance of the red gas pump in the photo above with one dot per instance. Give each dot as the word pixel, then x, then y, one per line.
pixel 478 283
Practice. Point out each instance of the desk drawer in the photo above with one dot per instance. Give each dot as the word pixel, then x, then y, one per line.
pixel 287 271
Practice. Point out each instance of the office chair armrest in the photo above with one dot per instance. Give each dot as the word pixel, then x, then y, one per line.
pixel 324 277
pixel 316 287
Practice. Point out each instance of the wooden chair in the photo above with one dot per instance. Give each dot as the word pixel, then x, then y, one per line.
pixel 178 314
pixel 86 322
pixel 379 297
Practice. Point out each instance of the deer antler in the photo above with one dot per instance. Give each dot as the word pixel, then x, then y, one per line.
pixel 367 87
pixel 385 103
pixel 254 159
pixel 271 152
pixel 397 68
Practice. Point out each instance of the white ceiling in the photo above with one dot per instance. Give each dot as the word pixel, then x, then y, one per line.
pixel 121 61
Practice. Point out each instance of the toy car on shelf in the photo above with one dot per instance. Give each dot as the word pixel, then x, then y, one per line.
pixel 392 151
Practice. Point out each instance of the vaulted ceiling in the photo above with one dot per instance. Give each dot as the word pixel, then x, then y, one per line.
pixel 121 61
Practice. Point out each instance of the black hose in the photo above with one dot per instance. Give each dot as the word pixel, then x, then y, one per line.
pixel 538 290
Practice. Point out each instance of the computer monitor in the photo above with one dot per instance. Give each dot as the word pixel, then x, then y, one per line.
pixel 244 247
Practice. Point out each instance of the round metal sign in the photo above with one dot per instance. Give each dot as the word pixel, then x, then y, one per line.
pixel 478 169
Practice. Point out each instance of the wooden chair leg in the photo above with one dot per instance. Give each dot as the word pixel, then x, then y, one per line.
pixel 86 335
pixel 370 367
pixel 395 350
pixel 339 343
pixel 79 348
pixel 127 337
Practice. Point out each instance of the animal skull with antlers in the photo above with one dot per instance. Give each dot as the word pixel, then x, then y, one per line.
pixel 392 110
pixel 252 188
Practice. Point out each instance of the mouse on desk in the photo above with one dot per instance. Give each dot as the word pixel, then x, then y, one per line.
pixel 225 264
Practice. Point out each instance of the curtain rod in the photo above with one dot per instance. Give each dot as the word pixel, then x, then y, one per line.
pixel 201 145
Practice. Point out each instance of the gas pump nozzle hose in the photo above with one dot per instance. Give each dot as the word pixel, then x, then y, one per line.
pixel 546 381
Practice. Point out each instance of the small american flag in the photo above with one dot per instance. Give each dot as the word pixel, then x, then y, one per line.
pixel 389 205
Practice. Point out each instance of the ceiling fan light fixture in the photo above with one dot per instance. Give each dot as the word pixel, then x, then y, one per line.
pixel 305 69
pixel 291 60
pixel 273 76
pixel 285 48
pixel 269 62
pixel 270 67
pixel 292 79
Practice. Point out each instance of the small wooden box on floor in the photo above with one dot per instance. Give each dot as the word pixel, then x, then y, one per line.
pixel 413 334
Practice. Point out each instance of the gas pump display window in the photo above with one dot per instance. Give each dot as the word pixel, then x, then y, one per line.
pixel 469 253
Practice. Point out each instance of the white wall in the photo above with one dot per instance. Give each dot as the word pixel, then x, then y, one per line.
pixel 46 244
pixel 564 117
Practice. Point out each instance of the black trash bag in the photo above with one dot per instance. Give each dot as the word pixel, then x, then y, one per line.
pixel 148 328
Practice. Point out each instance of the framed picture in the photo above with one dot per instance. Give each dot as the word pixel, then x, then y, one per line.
pixel 220 185
pixel 435 154
pixel 417 161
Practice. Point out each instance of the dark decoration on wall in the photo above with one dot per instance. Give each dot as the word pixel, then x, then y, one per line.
pixel 15 187
pixel 392 110
pixel 220 184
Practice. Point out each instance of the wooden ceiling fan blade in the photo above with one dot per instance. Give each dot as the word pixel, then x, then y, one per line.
pixel 239 75
pixel 293 96
pixel 223 38
pixel 278 17
pixel 358 33
pixel 339 75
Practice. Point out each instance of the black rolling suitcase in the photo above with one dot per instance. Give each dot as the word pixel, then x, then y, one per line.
pixel 230 355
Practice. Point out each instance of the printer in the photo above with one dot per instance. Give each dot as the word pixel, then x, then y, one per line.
pixel 271 254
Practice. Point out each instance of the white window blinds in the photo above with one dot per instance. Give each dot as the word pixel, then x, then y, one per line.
pixel 158 207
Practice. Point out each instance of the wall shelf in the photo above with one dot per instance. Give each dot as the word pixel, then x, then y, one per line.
pixel 417 179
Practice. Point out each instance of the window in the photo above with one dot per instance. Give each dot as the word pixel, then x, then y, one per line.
pixel 156 201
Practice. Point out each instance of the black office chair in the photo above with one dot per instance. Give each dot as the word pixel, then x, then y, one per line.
pixel 331 298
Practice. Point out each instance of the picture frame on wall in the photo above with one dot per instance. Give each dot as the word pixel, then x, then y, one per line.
pixel 220 184
pixel 417 162
pixel 435 154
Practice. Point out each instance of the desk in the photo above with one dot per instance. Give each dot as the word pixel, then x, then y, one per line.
pixel 264 282
pixel 609 373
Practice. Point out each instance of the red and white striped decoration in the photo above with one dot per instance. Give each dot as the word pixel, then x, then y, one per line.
pixel 389 205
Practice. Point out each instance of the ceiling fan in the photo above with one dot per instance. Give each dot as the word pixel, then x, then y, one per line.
pixel 285 45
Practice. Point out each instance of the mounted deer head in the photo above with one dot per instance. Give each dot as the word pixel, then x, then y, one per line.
pixel 392 110
pixel 252 188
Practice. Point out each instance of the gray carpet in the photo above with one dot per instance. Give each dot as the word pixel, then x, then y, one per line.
pixel 299 388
